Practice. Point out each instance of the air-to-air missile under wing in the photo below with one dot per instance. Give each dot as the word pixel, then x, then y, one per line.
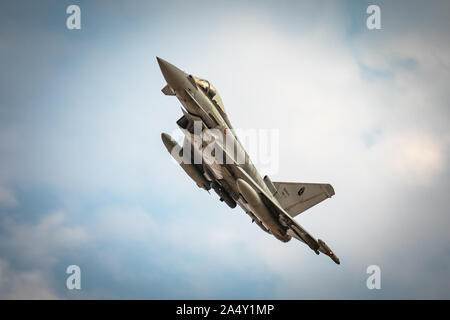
pixel 272 205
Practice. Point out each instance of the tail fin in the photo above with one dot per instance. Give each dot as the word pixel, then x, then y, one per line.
pixel 296 197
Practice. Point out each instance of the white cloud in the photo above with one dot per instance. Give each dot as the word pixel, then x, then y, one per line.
pixel 419 158
pixel 23 284
pixel 31 251
pixel 40 244
pixel 126 223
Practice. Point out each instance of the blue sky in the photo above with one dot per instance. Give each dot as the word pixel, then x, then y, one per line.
pixel 85 179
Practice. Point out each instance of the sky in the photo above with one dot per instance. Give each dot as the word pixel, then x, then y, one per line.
pixel 85 179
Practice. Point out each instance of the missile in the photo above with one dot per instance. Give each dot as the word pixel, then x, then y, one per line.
pixel 326 250
pixel 190 169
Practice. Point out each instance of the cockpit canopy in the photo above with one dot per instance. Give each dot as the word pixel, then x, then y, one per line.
pixel 210 91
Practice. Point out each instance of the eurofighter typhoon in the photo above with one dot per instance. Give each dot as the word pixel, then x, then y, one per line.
pixel 214 158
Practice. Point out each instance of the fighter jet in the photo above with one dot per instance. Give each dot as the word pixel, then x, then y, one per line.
pixel 207 159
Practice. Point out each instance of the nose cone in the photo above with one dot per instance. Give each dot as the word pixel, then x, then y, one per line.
pixel 174 76
pixel 336 259
pixel 168 141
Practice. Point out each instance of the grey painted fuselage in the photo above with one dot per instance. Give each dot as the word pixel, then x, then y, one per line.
pixel 234 178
